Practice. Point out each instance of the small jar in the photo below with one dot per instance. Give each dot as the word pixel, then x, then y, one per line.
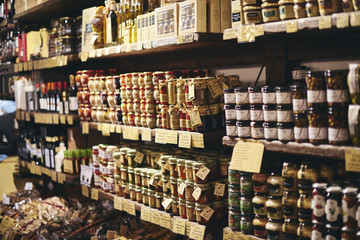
pixel 312 8
pixel 230 112
pixel 152 200
pixel 260 182
pixel 274 208
pixel 289 205
pixel 158 201
pixel 175 206
pixel 299 9
pixel 257 130
pixel 301 128
pixel 196 167
pixel 304 230
pixel 318 199
pixel 200 91
pixel 190 211
pixel 189 191
pixel 255 95
pixel 270 131
pixel 289 228
pixel 273 229
pixel 234 195
pixel 333 211
pixel 145 197
pixel 229 96
pixel 268 95
pixel 231 130
pixel 241 96
pixel 270 113
pixel 349 204
pixel 199 209
pixel 252 14
pixel 182 208
pixel 123 93
pixel 189 170
pixel 234 218
pixel 286 9
pixel 329 7
pixel 205 193
pixel 132 192
pixel 299 98
pixel 242 112
pixel 318 122
pixel 149 93
pixel 338 131
pixel 246 224
pixel 151 121
pixel 285 131
pixel 174 187
pixel 131 176
pixel 113 116
pixel 173 167
pixel 270 12
pixel 258 203
pixel 234 176
pixel 283 95
pixel 275 184
pixel 256 113
pixel 138 194
pixel 126 191
pixel 259 223
pixel 284 113
pixel 243 129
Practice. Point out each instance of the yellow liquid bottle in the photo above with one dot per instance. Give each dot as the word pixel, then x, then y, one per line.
pixel 128 19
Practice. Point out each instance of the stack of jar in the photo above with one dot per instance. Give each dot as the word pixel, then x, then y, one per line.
pixel 74 158
pixel 271 11
pixel 168 188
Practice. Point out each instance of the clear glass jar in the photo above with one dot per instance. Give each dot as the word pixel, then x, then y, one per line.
pixel 299 9
pixel 338 131
pixel 241 96
pixel 318 125
pixel 284 113
pixel 256 113
pixel 190 211
pixel 301 128
pixel 257 130
pixel 316 89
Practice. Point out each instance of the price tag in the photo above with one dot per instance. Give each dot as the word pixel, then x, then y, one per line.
pixel 247 156
pixel 197 231
pixel 230 33
pixel 355 19
pixel 171 137
pixel 291 26
pixel 203 172
pixel 131 133
pixel 118 203
pixel 167 203
pixel 118 129
pixel 196 193
pixel 219 189
pixel 49 118
pixel 85 128
pixel 94 194
pixel 16 67
pixel 325 22
pixel 228 234
pixel 118 49
pixel 107 51
pixel 182 188
pixel 84 56
pixel 160 136
pixel 179 226
pixel 145 214
pixel 27 116
pixel 55 118
pixel 207 213
pixel 84 190
pixel 63 119
pixel 187 38
pixel 151 180
pixel 125 205
pixel 53 176
pixel 165 220
pixel 112 128
pixel 197 140
pixel 259 30
pixel 352 160
pixel 99 126
pixel 70 120
pixel 139 157
pixel 28 186
pixel 195 118
pixel 105 129
pixel 146 134
pixel 61 178
pixel 184 139
pixel 155 216
pixel 342 20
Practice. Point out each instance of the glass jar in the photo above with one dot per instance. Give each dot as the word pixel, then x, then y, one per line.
pixel 152 199
pixel 299 9
pixel 234 218
pixel 149 93
pixel 189 189
pixel 182 208
pixel 111 100
pixel 273 229
pixel 337 90
pixel 259 223
pixel 230 112
pixel 304 207
pixel 131 176
pixel 123 93
pixel 243 129
pixel 200 87
pixel 148 78
pixel 190 211
pixel 145 197
pixel 289 228
pixel 181 168
pixel 270 131
pixel 174 187
pixel 258 203
pixel 150 107
pixel 246 184
pixel 205 193
pixel 289 204
pixel 231 130
pixel 175 206
pixel 299 98
pixel 242 112
pixel 268 95
pixel 316 88
pixel 241 96
pixel 260 182
pixel 196 167
pixel 349 204
pixel 270 12
pixel 304 230
pixel 318 125
pixel 158 201
pixel 275 184
pixel 285 131
pixel 301 128
pixel 255 95
pixel 257 130
pixel 252 14
pixel 256 113
pixel 67 26
pixel 274 208
pixel 312 8
pixel 283 95
pixel 329 7
pixel 198 210
pixel 234 195
pixel 68 45
pixel 189 170
pixel 338 131
pixel 286 9
pixel 269 112
pixel 318 202
pixel 289 173
pixel 246 207
pixel 151 121
pixel 229 96
pixel 333 211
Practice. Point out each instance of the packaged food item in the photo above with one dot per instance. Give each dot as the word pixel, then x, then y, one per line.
pixel 354 82
pixel 354 124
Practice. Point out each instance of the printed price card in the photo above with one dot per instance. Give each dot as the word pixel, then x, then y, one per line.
pixel 197 231
pixel 146 134
pixel 247 156
pixel 118 203
pixel 94 194
pixel 352 160
pixel 85 190
pixel 184 139
pixel 85 128
pixel 145 214
pixel 179 226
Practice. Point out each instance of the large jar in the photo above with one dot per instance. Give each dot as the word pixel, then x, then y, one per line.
pixel 318 125
pixel 316 89
pixel 200 87
pixel 337 90
pixel 338 131
pixel 174 117
pixel 274 208
pixel 258 203
pixel 301 128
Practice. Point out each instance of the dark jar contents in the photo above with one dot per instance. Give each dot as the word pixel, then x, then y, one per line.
pixel 316 89
pixel 349 205
pixel 301 134
pixel 246 224
pixel 259 223
pixel 338 131
pixel 333 210
pixel 318 125
pixel 68 45
pixel 318 202
pixel 285 131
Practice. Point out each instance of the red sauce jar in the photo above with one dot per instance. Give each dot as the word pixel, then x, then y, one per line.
pixel 86 96
pixel 86 74
pixel 79 95
pixel 318 202
pixel 205 193
pixel 131 119
pixel 182 208
pixel 196 167
pixel 181 168
pixel 87 113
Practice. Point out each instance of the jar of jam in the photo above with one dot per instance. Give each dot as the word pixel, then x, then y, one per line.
pixel 204 196
pixel 316 89
pixel 151 121
pixel 229 96
pixel 175 206
pixel 189 170
pixel 126 190
pixel 132 192
pixel 284 113
pixel 182 208
pixel 68 45
pixel 332 232
pixel 173 167
pixel 259 223
pixel 196 167
pixel 255 95
pixel 158 200
pixel 257 130
pixel 241 96
pixel 190 211
pixel 200 87
pixel 246 204
pixel 301 128
pixel 318 231
pixel 268 95
pixel 231 130
pixel 304 230
pixel 338 131
pixel 260 182
pixel 289 173
pixel 242 112
pixel 333 211
pixel 285 131
pixel 270 113
pixel 289 228
pixel 270 131
pixel 243 129
pixel 234 218
pixel 145 197
pixel 189 189
pixel 289 205
pixel 230 112
pixel 312 8
pixel 307 175
pixel 299 9
pixel 234 195
pixel 98 99
pixel 198 209
pixel 318 202
pixel 180 166
pixel 273 229
pixel 283 95
pixel 256 113
pixel 152 199
pixel 349 205
pixel 174 187
pixel 299 101
pixel 258 203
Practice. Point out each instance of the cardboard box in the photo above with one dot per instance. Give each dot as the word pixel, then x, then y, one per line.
pixel 88 35
pixel 166 21
pixel 214 12
pixel 33 43
pixel 138 25
pixel 152 27
pixel 192 16
pixel 225 21
pixel 145 27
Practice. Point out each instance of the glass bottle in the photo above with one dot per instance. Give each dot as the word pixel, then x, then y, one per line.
pixel 72 93
pixel 111 25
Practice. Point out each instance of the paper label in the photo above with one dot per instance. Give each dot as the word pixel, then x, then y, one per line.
pixel 160 136
pixel 84 190
pixel 325 22
pixel 197 231
pixel 70 120
pixel 61 178
pixel 184 139
pixel 146 134
pixel 203 172
pixel 112 128
pixel 355 19
pixel 292 26
pixel 259 30
pixel 171 137
pixel 167 203
pixel 215 89
pixel 228 234
pixel 247 157
pixel 131 208
pixel 342 20
pixel 131 133
pixel 155 216
pixel 207 213
pixel 195 118
pixel 165 220
pixel 28 186
pixel 182 188
pixel 139 157
pixel 219 189
pixel 53 176
pixel 352 160
pixel 197 140
pixel 85 128
pixel 118 203
pixel 196 193
pixel 118 129
pixel 179 226
pixel 62 119
pixel 191 94
pixel 94 194
pixel 6 200
pixel 145 214
pixel 105 129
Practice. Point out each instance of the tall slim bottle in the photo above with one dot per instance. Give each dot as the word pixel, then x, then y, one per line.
pixel 111 25
pixel 73 100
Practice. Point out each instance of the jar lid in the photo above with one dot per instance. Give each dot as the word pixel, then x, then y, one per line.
pixel 270 124
pixel 267 88
pixel 149 87
pixel 191 183
pixel 135 88
pixel 350 190
pixel 202 185
pixel 319 185
pixel 229 106
pixel 255 106
pixel 181 161
pixel 234 187
pixel 269 5
pixel 282 88
pixel 65 18
pixel 229 90
pixel 275 220
pixel 150 101
pixel 242 107
pixel 282 2
pixel 300 116
pixel 251 8
pixel 241 89
pixel 243 123
pixel 260 216
pixel 230 122
pixel 285 125
pixel 256 124
pixel 286 107
pixel 254 89
pixel 269 107
pixel 135 74
pixel 333 189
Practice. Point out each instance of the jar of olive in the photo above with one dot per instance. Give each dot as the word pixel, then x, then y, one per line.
pixel 337 90
pixel 301 134
pixel 316 88
pixel 318 125
pixel 338 130
pixel 299 101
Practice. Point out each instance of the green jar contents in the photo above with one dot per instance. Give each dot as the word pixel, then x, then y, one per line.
pixel 246 184
pixel 252 14
pixel 246 205
pixel 258 202
pixel 246 224
pixel 234 176
pixel 354 81
pixel 234 195
pixel 312 8
pixel 270 12
pixel 234 218
pixel 286 9
pixel 299 101
pixel 316 89
pixel 299 9
pixel 338 130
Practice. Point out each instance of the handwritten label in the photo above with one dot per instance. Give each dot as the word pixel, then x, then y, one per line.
pixel 125 205
pixel 171 137
pixel 118 203
pixel 53 176
pixel 167 203
pixel 145 214
pixel 94 194
pixel 131 133
pixel 325 22
pixel 70 120
pixel 231 33
pixel 139 157
pixel 27 116
pixel 146 135
pixel 105 129
pixel 112 128
pixel 228 234
pixel 155 216
pixel 118 129
pixel 219 189
pixel 197 231
pixel 179 226
pixel 342 20
pixel 160 136
pixel 259 30
pixel 165 220
pixel 247 156
pixel 185 139
pixel 197 140
pixel 352 160
pixel 151 181
pixel 182 188
pixel 292 26
pixel 187 38
pixel 84 190
pixel 207 213
pixel 203 172
pixel 355 19
pixel 85 128
pixel 131 208
pixel 196 193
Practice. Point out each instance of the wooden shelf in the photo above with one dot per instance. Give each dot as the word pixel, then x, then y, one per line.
pixel 47 118
pixel 305 149
pixel 230 234
pixel 55 176
pixel 50 9
pixel 161 136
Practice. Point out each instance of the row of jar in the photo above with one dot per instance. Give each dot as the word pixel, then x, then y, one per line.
pixel 271 11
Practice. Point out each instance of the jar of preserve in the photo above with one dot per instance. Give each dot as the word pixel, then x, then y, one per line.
pixel 242 112
pixel 289 228
pixel 349 207
pixel 301 128
pixel 136 106
pixel 275 185
pixel 256 113
pixel 199 209
pixel 189 170
pixel 102 83
pixel 138 194
pixel 204 196
pixel 123 92
pixel 241 96
pixel 150 107
pixel 230 112
pixel 259 223
pixel 348 233
pixel 252 14
pixel 158 76
pixel 189 189
pixel 104 99
pixel 299 97
pixel 231 130
pixel 312 8
pixel 116 83
pixel 94 114
pixel 284 113
pixel 86 96
pixel 338 131
pixel 163 92
pixel 234 195
pixel 190 211
pixel 68 45
pixel 304 230
pixel 289 205
pixel 152 200
pixel 273 207
pixel 158 201
pixel 175 206
pixel 283 95
pixel 286 9
pixel 182 208
pixel 260 182
pixel 255 95
pixel 270 131
pixel 258 203
pixel 268 95
pixel 332 232
pixel 307 175
pixel 299 9
pixel 151 121
pixel 109 84
pixel 135 79
pixel 337 89
pixel 145 197
pixel 316 88
pixel 246 224
pixel 329 7
pixel 173 167
pixel 165 117
pixel 229 96
pixel 124 174
pixel 243 129
pixel 113 116
pixel 289 173
pixel 128 81
pixel 318 202
pixel 318 125
pixel 285 131
pixel 246 204
pixel 273 229
pixel 200 91
pixel 174 117
pixel 132 192
pixel 234 218
pixel 81 112
pixel 196 167
pixel 126 192
pixel 91 84
pixel 318 231
pixel 270 12
pixel 270 113
pixel 333 211
pixel 304 207
pixel 149 93
pixel 131 175
pixel 98 100
pixel 234 176
pixel 257 130
pixel 148 78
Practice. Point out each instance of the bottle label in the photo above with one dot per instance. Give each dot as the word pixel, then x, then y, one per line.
pixel 244 131
pixel 339 134
pixel 242 98
pixel 318 205
pixel 242 115
pixel 336 96
pixel 230 114
pixel 286 134
pixel 318 133
pixel 270 133
pixel 73 104
pixel 256 115
pixel 284 116
pixel 332 210
pixel 255 98
pixel 283 97
pixel 269 98
pixel 301 133
pixel 47 157
pixel 314 96
pixel 257 132
pixel 66 107
pixel 299 104
pixel 270 116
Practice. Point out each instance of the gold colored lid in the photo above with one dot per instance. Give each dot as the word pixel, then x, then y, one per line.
pixel 251 8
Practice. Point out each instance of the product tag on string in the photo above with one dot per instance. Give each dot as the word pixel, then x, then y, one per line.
pixel 207 213
pixel 167 203
pixel 203 172
pixel 161 183
pixel 127 189
pixel 196 193
pixel 195 118
pixel 219 189
pixel 215 88
pixel 191 95
pixel 182 188
pixel 139 157
pixel 151 181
